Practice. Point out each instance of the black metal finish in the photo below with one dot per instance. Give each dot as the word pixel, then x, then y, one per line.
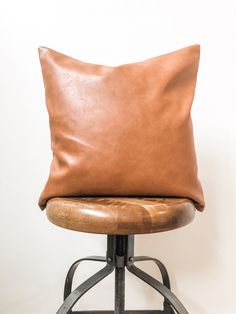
pixel 120 255
pixel 84 287
pixel 161 266
pixel 71 272
pixel 167 294
pixel 164 274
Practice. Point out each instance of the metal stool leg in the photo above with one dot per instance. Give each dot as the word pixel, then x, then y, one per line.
pixel 71 272
pixel 84 287
pixel 167 294
pixel 164 274
pixel 119 263
pixel 119 290
pixel 161 266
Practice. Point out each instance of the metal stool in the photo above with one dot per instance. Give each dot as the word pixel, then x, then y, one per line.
pixel 120 218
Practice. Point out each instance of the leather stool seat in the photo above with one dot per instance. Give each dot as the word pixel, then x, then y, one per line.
pixel 120 215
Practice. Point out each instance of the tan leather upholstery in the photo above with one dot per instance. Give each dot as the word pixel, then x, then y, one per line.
pixel 120 215
pixel 124 130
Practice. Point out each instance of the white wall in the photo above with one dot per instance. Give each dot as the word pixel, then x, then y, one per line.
pixel 35 254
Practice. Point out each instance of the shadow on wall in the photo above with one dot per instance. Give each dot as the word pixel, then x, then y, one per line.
pixel 189 252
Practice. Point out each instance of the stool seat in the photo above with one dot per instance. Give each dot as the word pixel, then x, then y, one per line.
pixel 120 215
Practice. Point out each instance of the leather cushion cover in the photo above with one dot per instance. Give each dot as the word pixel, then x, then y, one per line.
pixel 124 130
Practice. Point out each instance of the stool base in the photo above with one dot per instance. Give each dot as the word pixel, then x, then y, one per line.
pixel 120 256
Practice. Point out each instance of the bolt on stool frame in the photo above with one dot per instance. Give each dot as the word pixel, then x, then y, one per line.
pixel 120 255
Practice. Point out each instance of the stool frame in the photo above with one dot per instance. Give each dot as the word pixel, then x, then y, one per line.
pixel 120 256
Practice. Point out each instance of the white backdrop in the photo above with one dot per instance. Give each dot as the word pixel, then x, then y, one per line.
pixel 35 254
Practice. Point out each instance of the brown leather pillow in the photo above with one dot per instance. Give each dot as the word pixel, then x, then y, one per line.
pixel 123 130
